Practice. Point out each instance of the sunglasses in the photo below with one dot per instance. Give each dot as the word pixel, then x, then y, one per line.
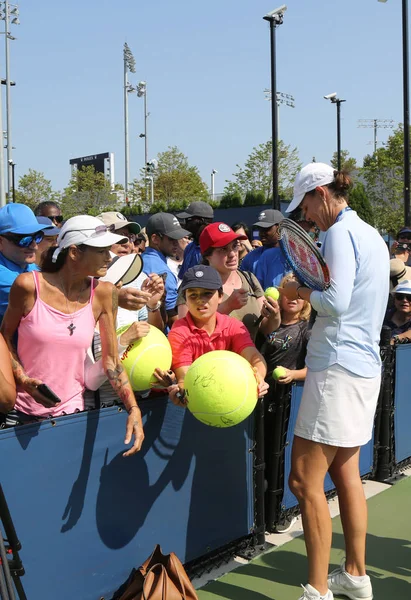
pixel 234 247
pixel 57 219
pixel 97 231
pixel 24 241
pixel 406 297
pixel 131 237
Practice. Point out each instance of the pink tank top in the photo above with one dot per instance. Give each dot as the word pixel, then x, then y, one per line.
pixel 48 352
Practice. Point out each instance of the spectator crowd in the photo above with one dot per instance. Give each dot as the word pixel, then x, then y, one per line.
pixel 66 287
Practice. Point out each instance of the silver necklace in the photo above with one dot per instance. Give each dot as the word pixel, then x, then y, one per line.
pixel 71 327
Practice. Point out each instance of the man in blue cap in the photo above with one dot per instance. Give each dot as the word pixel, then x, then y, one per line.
pixel 19 235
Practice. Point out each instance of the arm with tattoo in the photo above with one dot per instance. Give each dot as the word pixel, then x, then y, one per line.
pixel 115 371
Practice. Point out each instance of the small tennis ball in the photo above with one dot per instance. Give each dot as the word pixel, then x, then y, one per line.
pixel 272 292
pixel 279 372
pixel 221 388
pixel 142 357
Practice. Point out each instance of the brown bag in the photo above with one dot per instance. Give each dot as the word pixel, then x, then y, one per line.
pixel 160 578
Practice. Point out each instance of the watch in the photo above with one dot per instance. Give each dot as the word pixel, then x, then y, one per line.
pixel 155 309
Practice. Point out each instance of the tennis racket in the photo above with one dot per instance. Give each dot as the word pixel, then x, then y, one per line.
pixel 303 256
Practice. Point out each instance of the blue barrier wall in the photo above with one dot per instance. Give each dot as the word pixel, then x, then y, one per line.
pixel 366 456
pixel 86 516
pixel 402 402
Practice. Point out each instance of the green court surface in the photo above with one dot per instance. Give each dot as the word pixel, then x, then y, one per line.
pixel 279 573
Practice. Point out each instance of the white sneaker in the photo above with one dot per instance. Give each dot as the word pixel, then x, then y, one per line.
pixel 311 593
pixel 344 584
pixel 286 525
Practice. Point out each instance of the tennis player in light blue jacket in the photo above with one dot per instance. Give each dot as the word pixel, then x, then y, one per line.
pixel 343 380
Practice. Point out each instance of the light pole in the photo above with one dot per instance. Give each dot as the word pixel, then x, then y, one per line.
pixel 282 98
pixel 213 174
pixel 9 14
pixel 406 107
pixel 333 98
pixel 275 18
pixel 13 184
pixel 376 124
pixel 142 93
pixel 129 65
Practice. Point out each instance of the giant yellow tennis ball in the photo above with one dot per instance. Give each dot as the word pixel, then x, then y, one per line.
pixel 143 356
pixel 272 292
pixel 221 388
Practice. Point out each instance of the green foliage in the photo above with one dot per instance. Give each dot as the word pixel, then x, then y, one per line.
pixel 132 209
pixel 157 207
pixel 254 198
pixel 231 200
pixel 348 163
pixel 34 188
pixel 358 200
pixel 88 193
pixel 175 180
pixel 256 175
pixel 383 175
pixel 176 183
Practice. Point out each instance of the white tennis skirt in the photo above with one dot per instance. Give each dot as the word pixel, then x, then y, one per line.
pixel 338 407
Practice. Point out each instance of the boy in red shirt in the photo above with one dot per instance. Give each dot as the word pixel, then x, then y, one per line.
pixel 204 329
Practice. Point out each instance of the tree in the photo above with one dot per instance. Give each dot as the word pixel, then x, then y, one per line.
pixel 358 200
pixel 383 175
pixel 348 163
pixel 254 198
pixel 88 193
pixel 231 200
pixel 34 188
pixel 256 175
pixel 176 181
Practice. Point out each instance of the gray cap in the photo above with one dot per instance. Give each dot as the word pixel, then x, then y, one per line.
pixel 167 224
pixel 197 209
pixel 268 218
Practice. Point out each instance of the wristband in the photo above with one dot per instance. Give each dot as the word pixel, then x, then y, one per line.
pixel 131 408
pixel 155 309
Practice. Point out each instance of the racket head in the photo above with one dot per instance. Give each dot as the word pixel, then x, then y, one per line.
pixel 303 256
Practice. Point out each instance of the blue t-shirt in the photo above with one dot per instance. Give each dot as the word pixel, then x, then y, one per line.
pixel 192 257
pixel 271 268
pixel 9 271
pixel 250 260
pixel 155 262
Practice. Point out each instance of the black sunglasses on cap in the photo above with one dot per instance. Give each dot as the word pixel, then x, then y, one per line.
pixel 57 218
pixel 24 241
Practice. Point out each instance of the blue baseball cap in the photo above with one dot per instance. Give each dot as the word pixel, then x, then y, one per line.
pixel 20 219
pixel 50 230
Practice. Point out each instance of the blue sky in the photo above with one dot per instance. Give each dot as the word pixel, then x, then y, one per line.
pixel 206 65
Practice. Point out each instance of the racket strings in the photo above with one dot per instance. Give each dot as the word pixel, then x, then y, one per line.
pixel 304 259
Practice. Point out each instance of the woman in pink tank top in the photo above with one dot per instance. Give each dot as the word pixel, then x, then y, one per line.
pixel 54 314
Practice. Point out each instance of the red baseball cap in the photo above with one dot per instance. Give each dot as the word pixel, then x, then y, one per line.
pixel 218 235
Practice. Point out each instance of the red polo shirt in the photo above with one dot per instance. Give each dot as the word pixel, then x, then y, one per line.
pixel 188 342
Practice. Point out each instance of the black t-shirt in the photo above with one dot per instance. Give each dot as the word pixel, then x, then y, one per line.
pixel 287 346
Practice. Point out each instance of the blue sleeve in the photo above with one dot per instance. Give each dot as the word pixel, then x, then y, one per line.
pixel 192 257
pixel 7 279
pixel 247 263
pixel 340 256
pixel 271 268
pixel 171 291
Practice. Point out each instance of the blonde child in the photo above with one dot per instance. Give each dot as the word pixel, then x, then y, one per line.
pixel 286 346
